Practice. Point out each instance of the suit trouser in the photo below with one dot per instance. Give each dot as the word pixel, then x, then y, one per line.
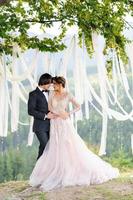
pixel 43 138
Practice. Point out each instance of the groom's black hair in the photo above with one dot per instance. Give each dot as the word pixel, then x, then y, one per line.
pixel 45 79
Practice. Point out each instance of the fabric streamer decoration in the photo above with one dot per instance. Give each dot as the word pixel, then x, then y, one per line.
pixel 20 76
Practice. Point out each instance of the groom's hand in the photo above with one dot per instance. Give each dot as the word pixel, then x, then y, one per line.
pixel 51 116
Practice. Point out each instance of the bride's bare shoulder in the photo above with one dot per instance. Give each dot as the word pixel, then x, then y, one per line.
pixel 69 95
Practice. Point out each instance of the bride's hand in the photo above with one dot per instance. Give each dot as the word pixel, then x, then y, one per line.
pixel 51 115
pixel 64 115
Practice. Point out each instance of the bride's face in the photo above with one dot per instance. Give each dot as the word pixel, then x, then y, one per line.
pixel 57 87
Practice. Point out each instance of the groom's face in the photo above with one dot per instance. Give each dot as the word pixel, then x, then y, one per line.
pixel 46 87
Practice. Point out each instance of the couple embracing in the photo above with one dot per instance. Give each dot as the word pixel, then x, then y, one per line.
pixel 63 158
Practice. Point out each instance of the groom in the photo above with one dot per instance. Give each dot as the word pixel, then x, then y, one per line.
pixel 38 108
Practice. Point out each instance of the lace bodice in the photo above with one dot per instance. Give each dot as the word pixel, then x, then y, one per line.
pixel 60 104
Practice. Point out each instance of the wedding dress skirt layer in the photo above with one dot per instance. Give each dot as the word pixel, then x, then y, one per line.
pixel 66 160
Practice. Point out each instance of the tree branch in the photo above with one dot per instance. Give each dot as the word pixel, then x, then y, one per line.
pixel 43 21
pixel 128 23
pixel 48 21
pixel 3 2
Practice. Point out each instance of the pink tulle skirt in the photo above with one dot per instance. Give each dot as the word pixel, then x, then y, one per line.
pixel 66 161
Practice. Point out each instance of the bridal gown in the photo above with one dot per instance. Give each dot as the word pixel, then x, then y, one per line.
pixel 66 160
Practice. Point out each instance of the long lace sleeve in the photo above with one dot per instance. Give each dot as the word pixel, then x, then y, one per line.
pixel 74 103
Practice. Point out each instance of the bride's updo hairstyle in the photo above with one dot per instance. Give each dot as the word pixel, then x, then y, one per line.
pixel 59 80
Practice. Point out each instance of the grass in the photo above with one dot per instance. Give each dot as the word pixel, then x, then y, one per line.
pixel 119 189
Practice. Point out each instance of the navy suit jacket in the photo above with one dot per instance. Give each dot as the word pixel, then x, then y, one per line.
pixel 38 108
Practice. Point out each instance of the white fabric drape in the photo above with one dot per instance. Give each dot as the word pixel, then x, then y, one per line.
pixel 100 60
pixel 107 103
pixel 77 75
pixel 14 94
pixel 132 143
pixel 3 99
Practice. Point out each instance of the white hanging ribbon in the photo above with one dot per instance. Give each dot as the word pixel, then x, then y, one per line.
pixel 3 100
pixel 98 48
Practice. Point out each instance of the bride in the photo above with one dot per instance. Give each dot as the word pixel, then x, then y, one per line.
pixel 66 160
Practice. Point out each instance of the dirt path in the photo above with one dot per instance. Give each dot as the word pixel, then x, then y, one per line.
pixel 120 189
